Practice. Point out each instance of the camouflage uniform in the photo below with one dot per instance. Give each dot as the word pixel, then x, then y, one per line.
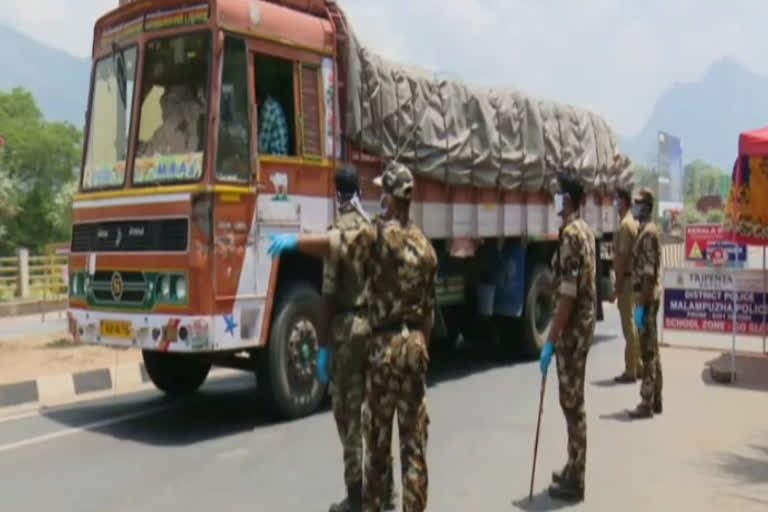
pixel 344 283
pixel 401 266
pixel 625 242
pixel 646 264
pixel 575 269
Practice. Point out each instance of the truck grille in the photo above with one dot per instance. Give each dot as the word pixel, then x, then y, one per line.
pixel 166 235
pixel 132 290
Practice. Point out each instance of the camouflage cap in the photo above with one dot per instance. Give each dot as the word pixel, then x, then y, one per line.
pixel 644 195
pixel 396 180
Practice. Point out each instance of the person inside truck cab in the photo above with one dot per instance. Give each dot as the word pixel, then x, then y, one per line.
pixel 273 125
pixel 183 109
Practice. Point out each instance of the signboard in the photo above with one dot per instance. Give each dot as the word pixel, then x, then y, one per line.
pixel 706 243
pixel 702 299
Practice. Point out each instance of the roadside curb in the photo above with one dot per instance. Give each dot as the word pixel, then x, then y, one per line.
pixel 56 390
pixel 21 308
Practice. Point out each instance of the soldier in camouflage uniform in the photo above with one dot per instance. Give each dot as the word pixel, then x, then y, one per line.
pixel 403 270
pixel 572 332
pixel 347 300
pixel 400 266
pixel 646 282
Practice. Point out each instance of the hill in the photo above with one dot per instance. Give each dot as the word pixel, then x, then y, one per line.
pixel 707 115
pixel 58 80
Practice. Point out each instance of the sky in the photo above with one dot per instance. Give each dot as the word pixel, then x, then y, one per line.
pixel 615 57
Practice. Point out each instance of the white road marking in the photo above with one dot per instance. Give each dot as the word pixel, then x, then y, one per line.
pixel 88 426
pixel 20 416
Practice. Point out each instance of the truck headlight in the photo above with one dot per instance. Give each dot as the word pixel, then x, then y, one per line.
pixel 165 287
pixel 180 288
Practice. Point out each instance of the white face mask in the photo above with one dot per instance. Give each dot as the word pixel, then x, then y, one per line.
pixel 559 202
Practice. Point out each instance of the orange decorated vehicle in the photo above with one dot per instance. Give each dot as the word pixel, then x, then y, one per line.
pixel 212 125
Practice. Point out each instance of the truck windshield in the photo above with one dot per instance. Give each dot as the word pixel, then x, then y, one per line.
pixel 110 120
pixel 174 109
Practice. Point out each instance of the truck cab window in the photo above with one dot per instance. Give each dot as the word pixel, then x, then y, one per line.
pixel 275 97
pixel 174 108
pixel 110 126
pixel 233 160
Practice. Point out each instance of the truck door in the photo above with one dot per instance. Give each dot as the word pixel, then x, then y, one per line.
pixel 234 198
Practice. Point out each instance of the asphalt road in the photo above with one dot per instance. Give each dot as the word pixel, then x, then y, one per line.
pixel 28 326
pixel 216 451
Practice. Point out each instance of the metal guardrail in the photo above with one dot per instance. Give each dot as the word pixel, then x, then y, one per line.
pixel 29 277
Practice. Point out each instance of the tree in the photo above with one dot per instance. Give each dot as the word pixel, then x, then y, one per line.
pixel 643 176
pixel 38 159
pixel 701 179
pixel 9 206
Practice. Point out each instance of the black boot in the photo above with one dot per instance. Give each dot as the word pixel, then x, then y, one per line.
pixel 641 412
pixel 657 408
pixel 353 502
pixel 559 476
pixel 624 379
pixel 567 490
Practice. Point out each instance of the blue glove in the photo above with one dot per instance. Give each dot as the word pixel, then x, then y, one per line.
pixel 639 317
pixel 282 243
pixel 546 357
pixel 323 356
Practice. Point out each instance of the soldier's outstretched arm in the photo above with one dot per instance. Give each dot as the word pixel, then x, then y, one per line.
pixel 318 245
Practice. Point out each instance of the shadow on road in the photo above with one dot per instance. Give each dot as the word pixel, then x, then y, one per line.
pixel 611 383
pixel 620 416
pixel 468 360
pixel 600 338
pixel 230 405
pixel 751 372
pixel 541 502
pixel 749 470
pixel 223 407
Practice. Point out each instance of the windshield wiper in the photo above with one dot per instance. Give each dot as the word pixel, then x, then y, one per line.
pixel 118 58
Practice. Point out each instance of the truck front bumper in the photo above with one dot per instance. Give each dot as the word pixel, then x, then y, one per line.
pixel 170 333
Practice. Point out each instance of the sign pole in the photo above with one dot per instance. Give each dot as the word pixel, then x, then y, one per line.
pixel 733 336
pixel 765 292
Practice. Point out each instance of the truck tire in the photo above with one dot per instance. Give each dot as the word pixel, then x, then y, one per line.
pixel 176 374
pixel 539 310
pixel 286 377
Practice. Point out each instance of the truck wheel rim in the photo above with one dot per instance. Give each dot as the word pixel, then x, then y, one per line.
pixel 302 351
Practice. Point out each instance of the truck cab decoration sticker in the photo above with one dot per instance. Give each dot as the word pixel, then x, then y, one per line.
pixel 181 167
pixel 194 15
pixel 231 324
pixel 104 175
pixel 280 182
pixel 122 32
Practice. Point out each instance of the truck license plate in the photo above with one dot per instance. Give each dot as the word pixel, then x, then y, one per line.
pixel 115 329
